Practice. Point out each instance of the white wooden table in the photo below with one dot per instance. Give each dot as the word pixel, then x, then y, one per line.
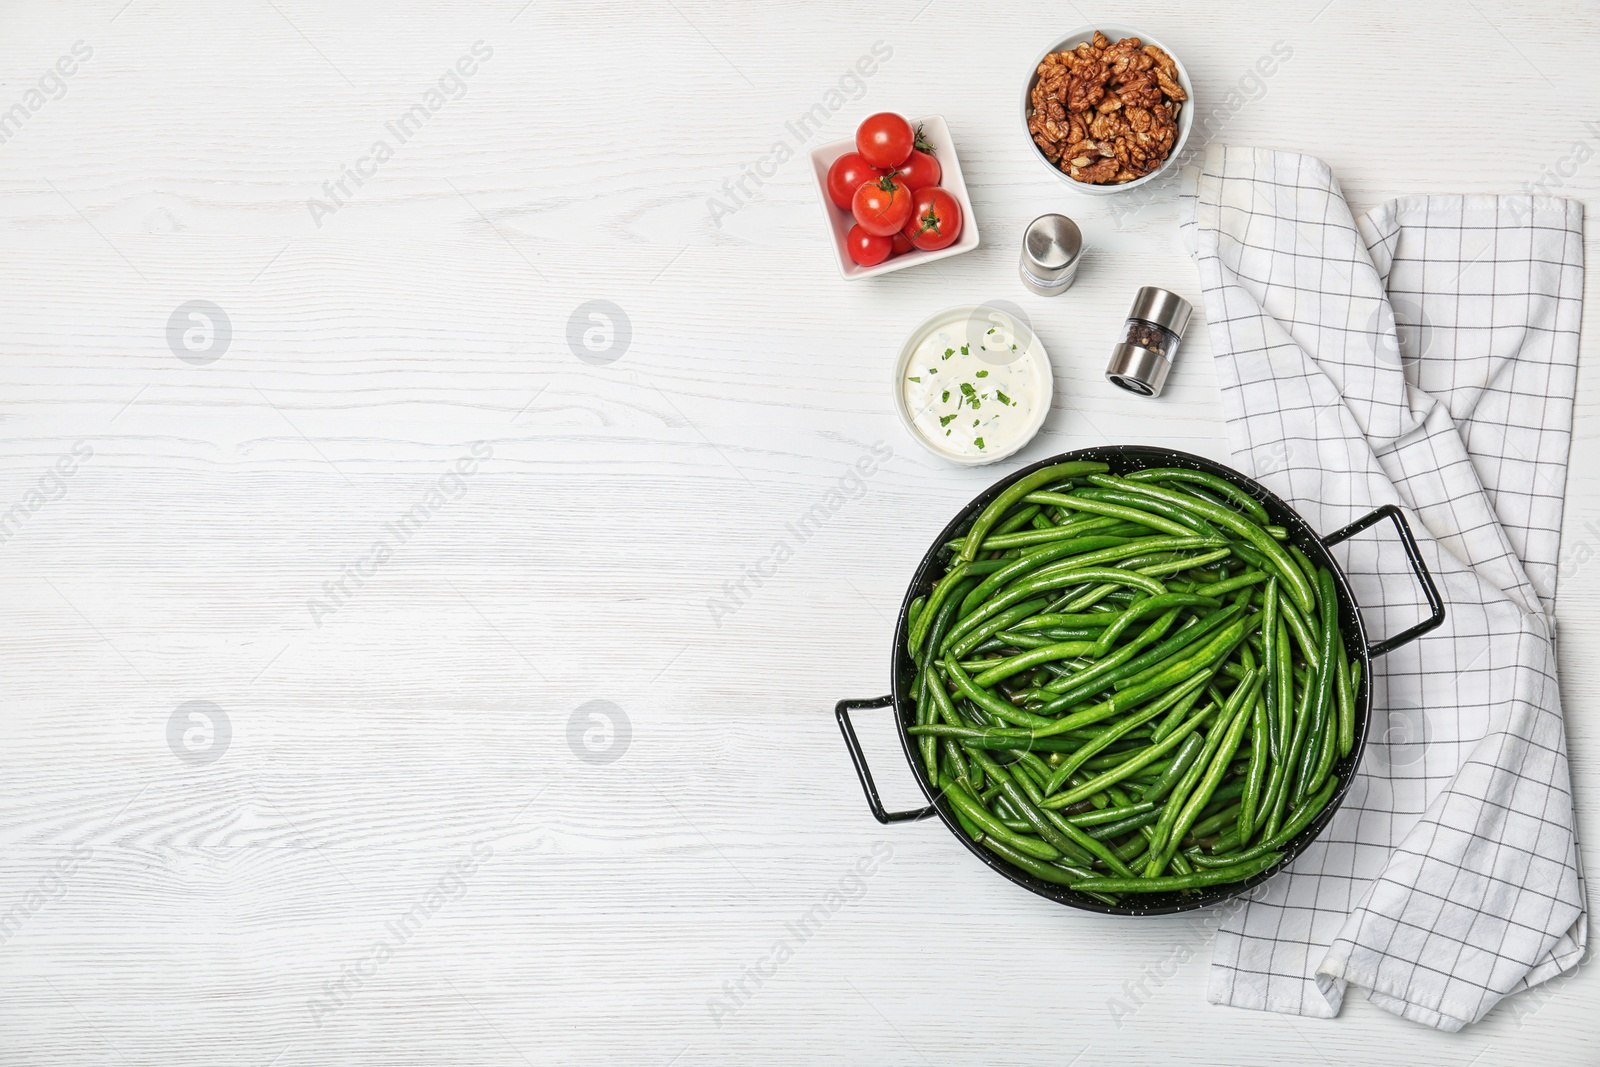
pixel 396 833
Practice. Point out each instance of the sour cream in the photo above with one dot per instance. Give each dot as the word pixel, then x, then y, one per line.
pixel 974 384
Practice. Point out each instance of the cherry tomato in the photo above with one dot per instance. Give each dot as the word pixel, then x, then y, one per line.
pixel 935 220
pixel 885 140
pixel 902 244
pixel 882 207
pixel 919 171
pixel 868 249
pixel 846 176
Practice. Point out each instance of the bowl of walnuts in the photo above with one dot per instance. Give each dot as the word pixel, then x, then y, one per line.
pixel 1107 109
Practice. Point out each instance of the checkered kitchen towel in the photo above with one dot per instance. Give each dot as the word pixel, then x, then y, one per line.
pixel 1423 354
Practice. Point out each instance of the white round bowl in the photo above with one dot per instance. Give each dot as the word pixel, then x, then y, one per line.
pixel 1115 33
pixel 966 316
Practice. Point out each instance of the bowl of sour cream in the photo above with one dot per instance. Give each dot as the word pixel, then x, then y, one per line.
pixel 973 384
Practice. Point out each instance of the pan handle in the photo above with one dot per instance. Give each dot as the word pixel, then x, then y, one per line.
pixel 1420 569
pixel 842 711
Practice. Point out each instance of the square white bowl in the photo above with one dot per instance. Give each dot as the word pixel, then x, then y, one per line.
pixel 936 133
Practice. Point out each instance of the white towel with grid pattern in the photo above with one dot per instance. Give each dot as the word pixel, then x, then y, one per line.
pixel 1423 354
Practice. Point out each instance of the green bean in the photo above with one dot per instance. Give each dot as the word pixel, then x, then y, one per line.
pixel 989 702
pixel 941 591
pixel 1212 651
pixel 1189 691
pixel 1074 555
pixel 995 511
pixel 1104 816
pixel 1154 661
pixel 971 829
pixel 1269 660
pixel 1306 633
pixel 1276 799
pixel 1018 799
pixel 1145 607
pixel 938 628
pixel 1050 826
pixel 1327 727
pixel 1177 562
pixel 1064 552
pixel 1067 650
pixel 1188 752
pixel 1143 503
pixel 975 637
pixel 1091 620
pixel 1217 485
pixel 1027 589
pixel 1131 766
pixel 1180 711
pixel 927 711
pixel 1347 703
pixel 980 817
pixel 1026 639
pixel 1307 568
pixel 1231 584
pixel 1238 872
pixel 914 612
pixel 1285 680
pixel 1117 511
pixel 1230 727
pixel 994 737
pixel 1260 756
pixel 1036 539
pixel 1299 588
pixel 1308 810
pixel 1050 872
pixel 1115 830
pixel 1210 824
pixel 1020 518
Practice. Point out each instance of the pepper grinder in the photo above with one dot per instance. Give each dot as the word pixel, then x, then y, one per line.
pixel 1150 340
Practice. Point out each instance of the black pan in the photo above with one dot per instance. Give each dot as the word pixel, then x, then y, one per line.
pixel 1124 459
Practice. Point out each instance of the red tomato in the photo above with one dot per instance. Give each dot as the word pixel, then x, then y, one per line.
pixel 902 243
pixel 935 220
pixel 846 176
pixel 868 249
pixel 885 140
pixel 882 207
pixel 919 171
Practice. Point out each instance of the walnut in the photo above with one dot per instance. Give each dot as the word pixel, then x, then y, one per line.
pixel 1099 172
pixel 1106 112
pixel 1086 90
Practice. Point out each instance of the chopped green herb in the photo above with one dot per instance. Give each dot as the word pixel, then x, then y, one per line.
pixel 950 352
pixel 974 422
pixel 1004 399
pixel 991 329
pixel 912 378
pixel 966 389
pixel 978 441
pixel 944 420
pixel 983 374
pixel 1013 348
pixel 944 398
pixel 964 350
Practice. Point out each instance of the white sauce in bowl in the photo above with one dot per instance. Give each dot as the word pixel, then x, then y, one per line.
pixel 974 384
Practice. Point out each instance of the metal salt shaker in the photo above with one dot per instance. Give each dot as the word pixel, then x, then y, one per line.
pixel 1052 247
